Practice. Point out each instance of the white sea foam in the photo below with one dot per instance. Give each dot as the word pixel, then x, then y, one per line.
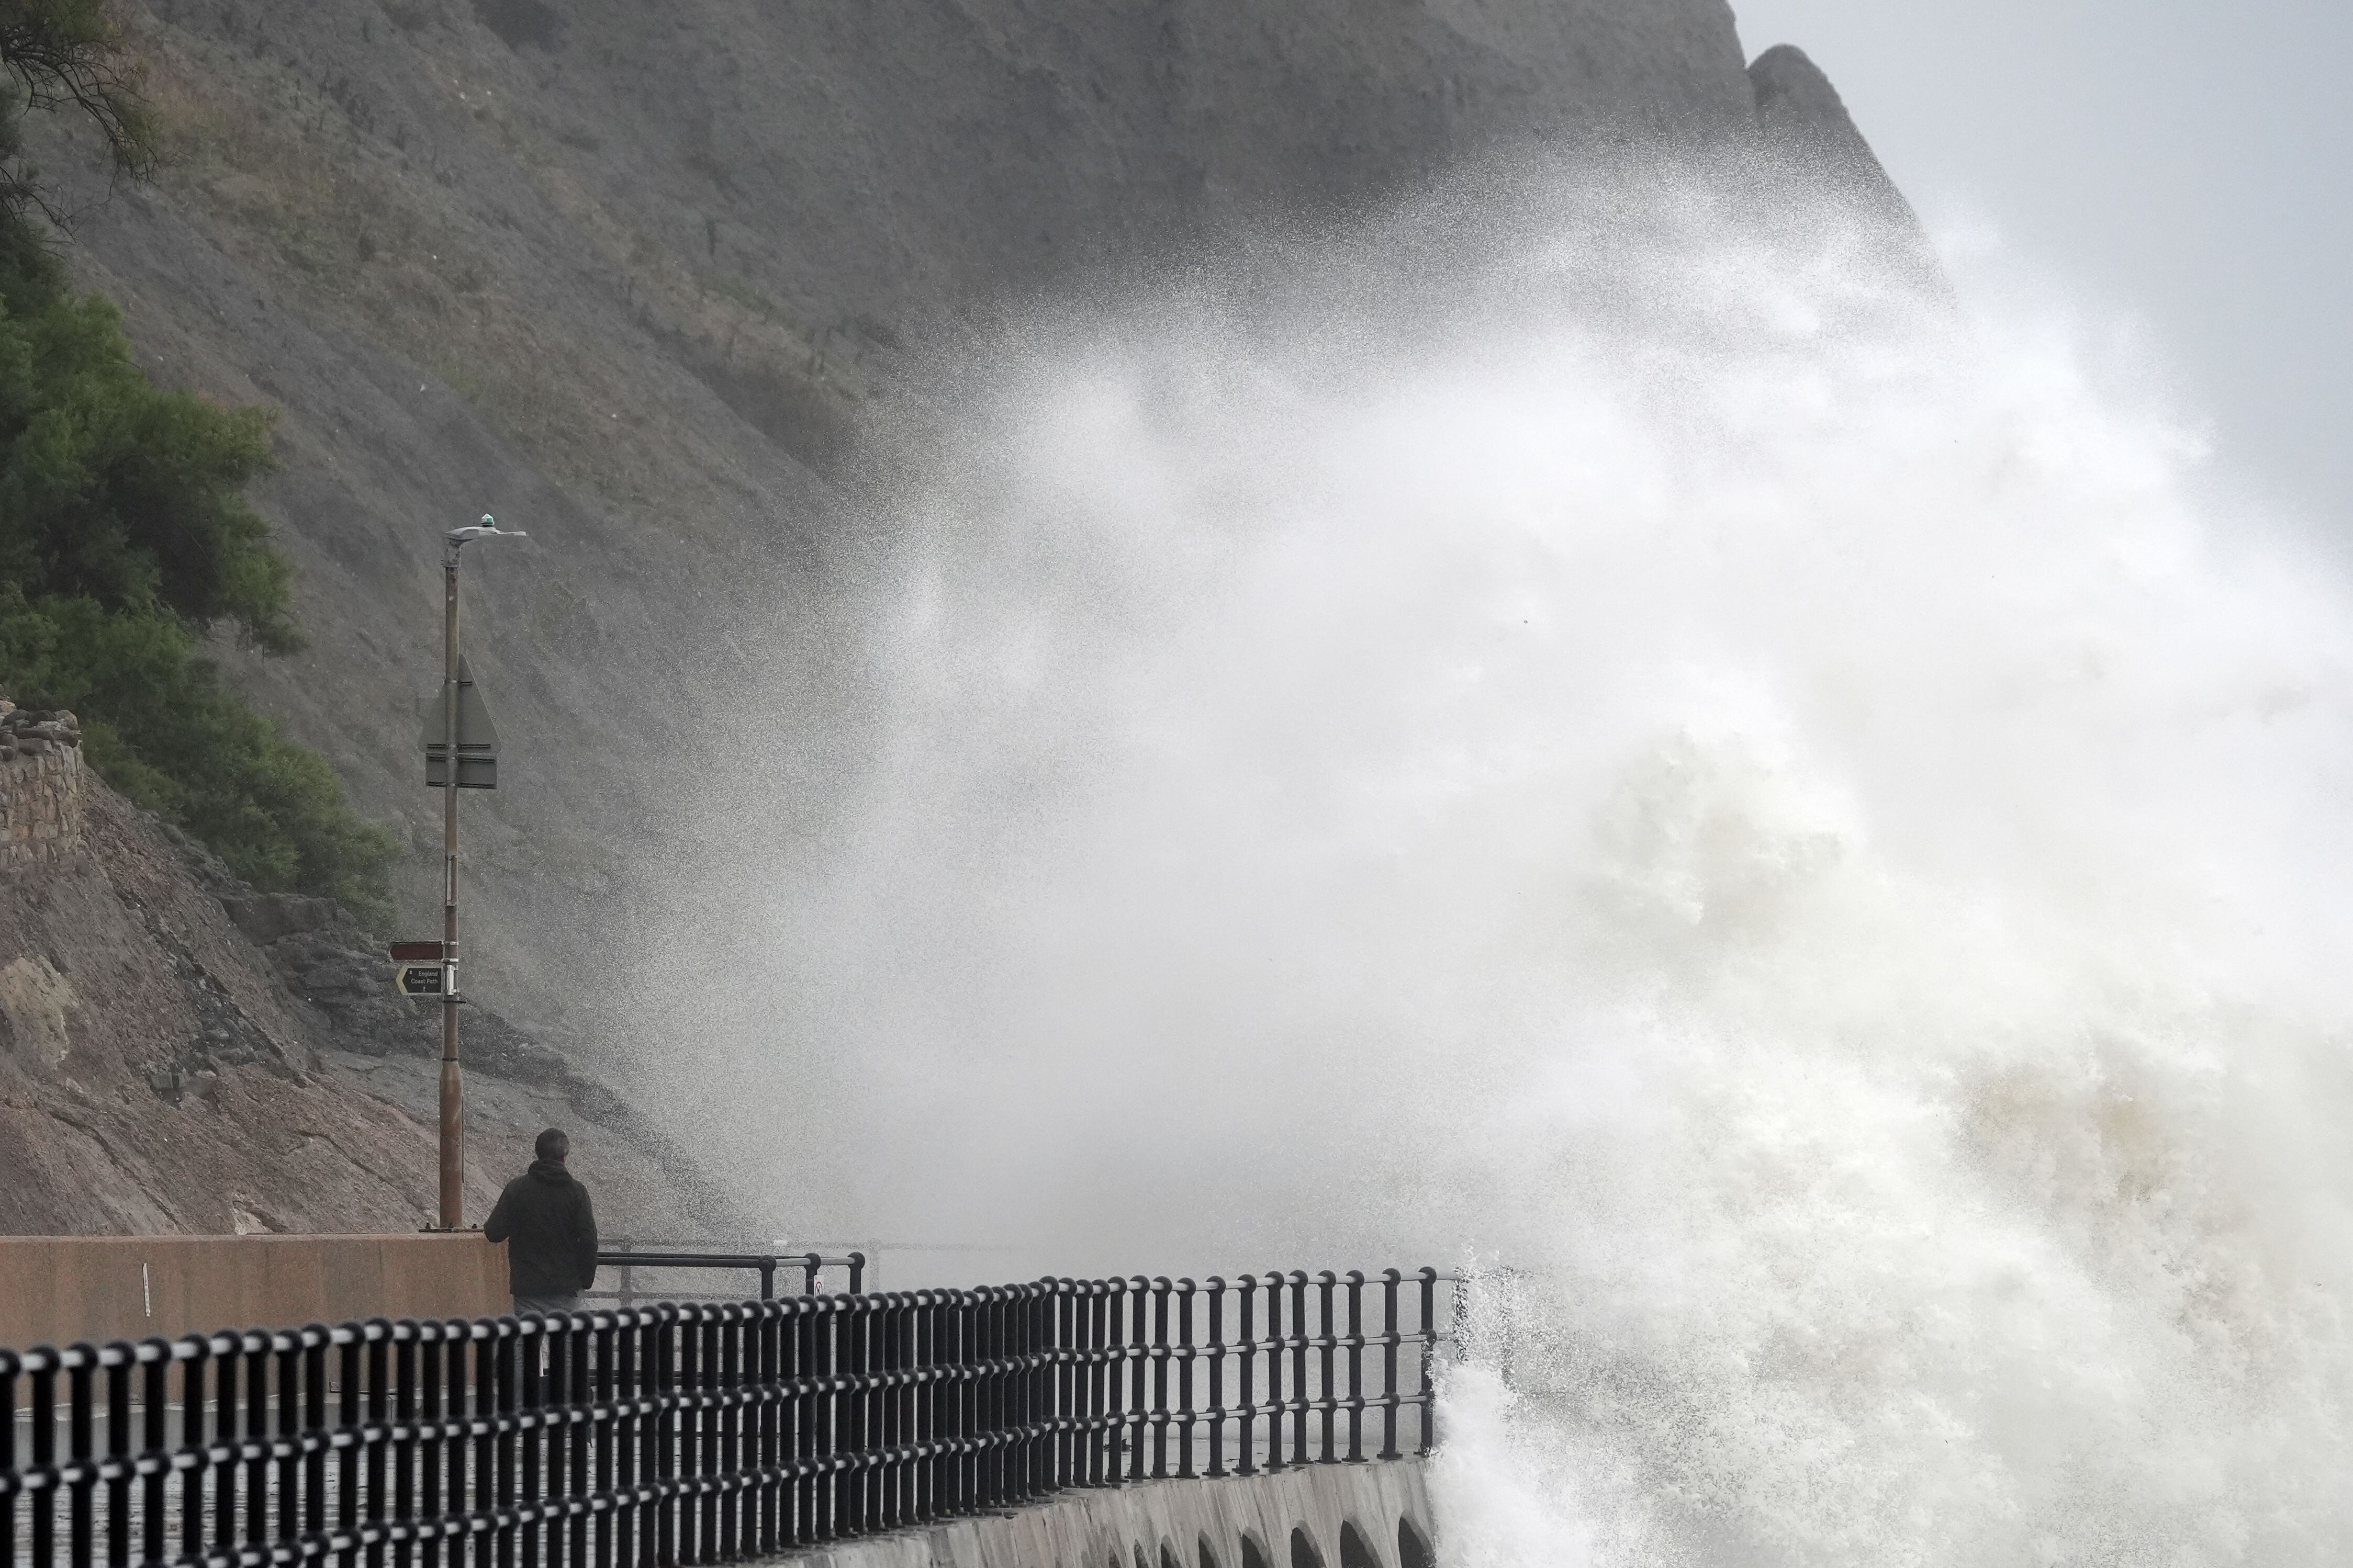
pixel 1591 733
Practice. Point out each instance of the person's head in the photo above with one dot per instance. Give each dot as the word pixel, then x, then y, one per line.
pixel 552 1144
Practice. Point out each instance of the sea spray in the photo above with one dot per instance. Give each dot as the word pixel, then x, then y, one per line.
pixel 1597 731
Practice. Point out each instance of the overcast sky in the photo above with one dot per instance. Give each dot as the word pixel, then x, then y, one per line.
pixel 2191 163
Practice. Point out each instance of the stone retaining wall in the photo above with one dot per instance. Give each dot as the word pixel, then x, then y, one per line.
pixel 40 785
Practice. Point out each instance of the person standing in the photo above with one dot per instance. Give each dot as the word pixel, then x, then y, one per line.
pixel 550 1229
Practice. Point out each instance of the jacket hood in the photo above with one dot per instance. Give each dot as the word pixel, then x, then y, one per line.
pixel 550 1171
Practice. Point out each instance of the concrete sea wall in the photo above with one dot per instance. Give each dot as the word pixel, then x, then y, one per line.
pixel 1373 1515
pixel 56 1289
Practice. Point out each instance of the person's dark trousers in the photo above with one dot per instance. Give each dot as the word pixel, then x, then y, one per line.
pixel 547 1306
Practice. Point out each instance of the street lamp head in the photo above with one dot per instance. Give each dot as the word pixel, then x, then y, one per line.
pixel 487 528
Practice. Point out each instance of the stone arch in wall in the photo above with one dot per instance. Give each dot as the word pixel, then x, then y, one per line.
pixel 1305 1553
pixel 1413 1547
pixel 1209 1553
pixel 1355 1551
pixel 1253 1554
pixel 1168 1558
pixel 1140 1560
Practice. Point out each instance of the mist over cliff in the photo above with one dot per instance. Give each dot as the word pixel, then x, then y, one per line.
pixel 640 278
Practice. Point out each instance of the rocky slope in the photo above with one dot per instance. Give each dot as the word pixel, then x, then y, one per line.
pixel 626 276
pixel 178 1053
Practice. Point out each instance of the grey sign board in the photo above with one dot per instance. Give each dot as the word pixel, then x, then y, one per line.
pixel 478 738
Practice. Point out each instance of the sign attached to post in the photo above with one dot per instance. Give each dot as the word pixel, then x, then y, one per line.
pixel 478 738
pixel 416 952
pixel 419 979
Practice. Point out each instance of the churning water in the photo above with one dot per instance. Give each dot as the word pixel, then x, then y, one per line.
pixel 1600 732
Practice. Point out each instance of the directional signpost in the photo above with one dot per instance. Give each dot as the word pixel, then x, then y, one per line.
pixel 416 969
pixel 418 979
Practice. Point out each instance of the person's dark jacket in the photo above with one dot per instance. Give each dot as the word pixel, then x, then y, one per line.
pixel 544 1218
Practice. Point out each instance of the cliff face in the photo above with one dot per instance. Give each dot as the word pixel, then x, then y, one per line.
pixel 162 1071
pixel 625 274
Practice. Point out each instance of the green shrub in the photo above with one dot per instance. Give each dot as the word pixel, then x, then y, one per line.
pixel 124 538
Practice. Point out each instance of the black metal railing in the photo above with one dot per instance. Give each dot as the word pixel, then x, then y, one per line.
pixel 630 1256
pixel 693 1434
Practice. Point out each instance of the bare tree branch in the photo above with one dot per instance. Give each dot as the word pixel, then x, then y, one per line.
pixel 70 55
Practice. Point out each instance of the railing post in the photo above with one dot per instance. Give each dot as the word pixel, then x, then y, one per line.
pixel 379 1343
pixel 429 1449
pixel 579 1434
pixel 253 1357
pixel 848 1437
pixel 9 1367
pixel 628 1390
pixel 1327 1344
pixel 1103 1319
pixel 1045 1401
pixel 602 1437
pixel 41 1421
pixel 1356 1278
pixel 1139 1330
pixel 979 1429
pixel 961 1470
pixel 1114 1364
pixel 1216 1305
pixel 528 1393
pixel 155 1356
pixel 404 1414
pixel 501 1458
pixel 1020 1386
pixel 768 1379
pixel 1013 1347
pixel 684 1427
pixel 925 1394
pixel 1301 1340
pixel 795 1438
pixel 1274 1349
pixel 1389 1278
pixel 1061 1315
pixel 865 1333
pixel 1088 1299
pixel 82 1451
pixel 994 1341
pixel 1428 1350
pixel 931 1340
pixel 224 1433
pixel 698 1432
pixel 196 1351
pixel 117 1360
pixel 738 1521
pixel 1160 1409
pixel 1185 1379
pixel 1246 1365
pixel 889 1315
pixel 43 1418
pixel 667 1417
pixel 824 1483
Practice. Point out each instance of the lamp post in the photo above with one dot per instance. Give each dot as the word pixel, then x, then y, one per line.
pixel 453 1091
